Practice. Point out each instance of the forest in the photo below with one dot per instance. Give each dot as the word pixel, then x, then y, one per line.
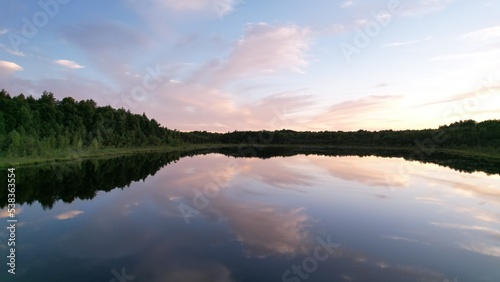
pixel 462 134
pixel 39 127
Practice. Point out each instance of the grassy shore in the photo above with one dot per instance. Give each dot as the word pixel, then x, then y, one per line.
pixel 72 155
pixel 487 154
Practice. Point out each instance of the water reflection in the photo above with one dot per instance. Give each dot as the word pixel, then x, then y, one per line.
pixel 252 219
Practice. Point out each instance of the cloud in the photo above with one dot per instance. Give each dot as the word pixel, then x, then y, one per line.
pixel 206 99
pixel 488 55
pixel 493 88
pixel 483 34
pixel 265 230
pixel 336 29
pixel 4 213
pixel 68 215
pixel 108 45
pixel 423 7
pixel 404 43
pixel 9 67
pixel 3 31
pixel 200 107
pixel 479 191
pixel 347 4
pixel 398 238
pixel 154 11
pixel 265 49
pixel 221 7
pixel 349 115
pixel 69 64
pixel 12 52
pixel 481 248
pixel 371 171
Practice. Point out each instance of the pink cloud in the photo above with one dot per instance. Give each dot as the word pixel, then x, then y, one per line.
pixel 353 114
pixel 69 64
pixel 268 49
pixel 9 67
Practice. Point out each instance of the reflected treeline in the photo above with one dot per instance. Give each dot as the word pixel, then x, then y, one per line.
pixel 68 181
pixel 82 179
pixel 456 162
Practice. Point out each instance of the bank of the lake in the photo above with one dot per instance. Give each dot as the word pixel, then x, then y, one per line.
pixel 486 154
pixel 72 155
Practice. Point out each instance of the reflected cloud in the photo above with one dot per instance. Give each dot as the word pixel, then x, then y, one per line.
pixel 372 171
pixel 430 200
pixel 469 190
pixel 488 230
pixel 4 213
pixel 484 249
pixel 266 231
pixel 398 238
pixel 68 215
pixel 478 244
pixel 278 173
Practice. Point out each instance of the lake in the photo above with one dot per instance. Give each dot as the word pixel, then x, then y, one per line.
pixel 217 217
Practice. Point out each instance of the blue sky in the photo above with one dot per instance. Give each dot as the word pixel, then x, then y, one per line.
pixel 224 65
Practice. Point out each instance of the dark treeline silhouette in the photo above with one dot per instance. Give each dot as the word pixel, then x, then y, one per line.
pixel 455 162
pixel 83 179
pixel 463 134
pixel 31 127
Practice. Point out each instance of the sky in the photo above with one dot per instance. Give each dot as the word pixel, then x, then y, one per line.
pixel 225 65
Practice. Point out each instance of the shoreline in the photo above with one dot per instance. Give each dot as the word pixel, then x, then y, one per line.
pixel 74 155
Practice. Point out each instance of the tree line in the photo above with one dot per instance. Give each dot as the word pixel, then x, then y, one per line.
pixel 460 134
pixel 33 127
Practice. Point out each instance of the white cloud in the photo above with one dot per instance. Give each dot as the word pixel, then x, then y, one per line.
pixel 69 64
pixel 221 7
pixel 490 55
pixel 404 43
pixel 347 4
pixel 422 7
pixel 10 66
pixel 3 31
pixel 12 52
pixel 483 34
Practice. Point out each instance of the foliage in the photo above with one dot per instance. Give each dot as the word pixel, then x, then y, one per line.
pixel 34 127
pixel 463 134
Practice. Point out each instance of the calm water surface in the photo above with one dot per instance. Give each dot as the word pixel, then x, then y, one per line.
pixel 301 218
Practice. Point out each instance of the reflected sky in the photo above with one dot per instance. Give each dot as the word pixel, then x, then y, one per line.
pixel 215 218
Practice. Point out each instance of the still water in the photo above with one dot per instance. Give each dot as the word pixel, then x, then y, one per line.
pixel 218 218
